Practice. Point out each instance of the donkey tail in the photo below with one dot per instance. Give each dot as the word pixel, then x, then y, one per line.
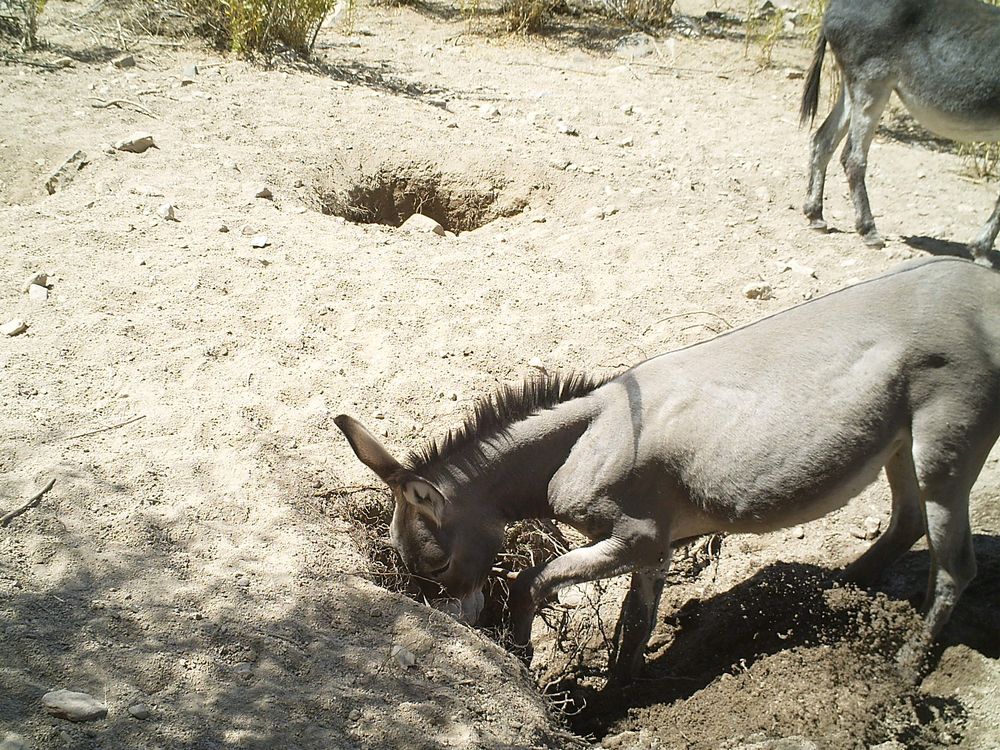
pixel 810 94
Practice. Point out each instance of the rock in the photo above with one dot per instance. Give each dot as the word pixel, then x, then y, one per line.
pixel 13 327
pixel 635 45
pixel 758 290
pixel 190 71
pixel 793 75
pixel 421 223
pixel 488 111
pixel 796 267
pixel 259 240
pixel 857 532
pixel 593 214
pixel 262 191
pixel 124 61
pixel 36 279
pixel 140 711
pixel 66 704
pixel 38 293
pixel 625 142
pixel 66 172
pixel 166 211
pixel 13 741
pixel 403 657
pixel 64 62
pixel 784 743
pixel 566 128
pixel 148 191
pixel 537 364
pixel 136 143
pixel 872 527
pixel 243 670
pixel 223 228
pixel 798 532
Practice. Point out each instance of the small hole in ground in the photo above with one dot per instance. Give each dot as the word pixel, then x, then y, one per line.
pixel 392 195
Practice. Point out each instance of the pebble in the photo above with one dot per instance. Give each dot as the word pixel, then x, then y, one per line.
pixel 403 657
pixel 140 711
pixel 566 128
pixel 66 704
pixel 259 240
pixel 421 223
pixel 36 279
pixel 593 214
pixel 796 267
pixel 190 71
pixel 13 741
pixel 488 111
pixel 136 143
pixel 537 364
pixel 66 172
pixel 13 327
pixel 223 228
pixel 38 293
pixel 262 191
pixel 244 669
pixel 64 62
pixel 758 290
pixel 872 527
pixel 798 532
pixel 124 61
pixel 166 211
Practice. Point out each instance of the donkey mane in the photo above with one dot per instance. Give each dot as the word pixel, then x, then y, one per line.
pixel 509 404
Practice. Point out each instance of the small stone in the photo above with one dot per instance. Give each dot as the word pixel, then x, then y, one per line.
pixel 140 711
pixel 798 532
pixel 124 61
pixel 223 229
pixel 136 143
pixel 560 164
pixel 38 293
pixel 13 327
pixel 262 191
pixel 593 213
pixel 857 532
pixel 66 704
pixel 185 81
pixel 872 526
pixel 148 191
pixel 259 240
pixel 488 111
pixel 64 62
pixel 403 657
pixel 243 670
pixel 758 290
pixel 537 364
pixel 796 267
pixel 625 142
pixel 166 211
pixel 423 224
pixel 13 741
pixel 354 714
pixel 66 172
pixel 794 75
pixel 566 128
pixel 190 71
pixel 140 260
pixel 36 279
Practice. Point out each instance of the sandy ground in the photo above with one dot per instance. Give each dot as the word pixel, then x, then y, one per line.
pixel 198 560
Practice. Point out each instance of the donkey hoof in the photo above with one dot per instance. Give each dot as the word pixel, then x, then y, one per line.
pixel 873 239
pixel 818 225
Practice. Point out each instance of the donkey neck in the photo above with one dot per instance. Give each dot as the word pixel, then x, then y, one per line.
pixel 510 470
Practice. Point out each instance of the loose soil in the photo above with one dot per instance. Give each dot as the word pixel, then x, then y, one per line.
pixel 606 198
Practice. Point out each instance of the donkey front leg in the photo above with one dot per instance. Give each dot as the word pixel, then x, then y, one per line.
pixel 867 100
pixel 604 559
pixel 636 623
pixel 983 244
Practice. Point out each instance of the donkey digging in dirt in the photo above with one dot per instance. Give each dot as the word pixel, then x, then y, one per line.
pixel 941 57
pixel 763 427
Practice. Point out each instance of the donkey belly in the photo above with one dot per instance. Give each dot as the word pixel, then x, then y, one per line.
pixel 980 124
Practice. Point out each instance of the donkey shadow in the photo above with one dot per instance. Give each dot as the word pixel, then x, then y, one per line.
pixel 936 246
pixel 788 605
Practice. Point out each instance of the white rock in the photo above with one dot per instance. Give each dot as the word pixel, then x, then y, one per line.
pixel 872 526
pixel 403 657
pixel 38 293
pixel 39 279
pixel 66 171
pixel 190 71
pixel 421 223
pixel 758 290
pixel 166 211
pixel 488 111
pixel 593 214
pixel 798 532
pixel 140 711
pixel 13 327
pixel 537 364
pixel 66 704
pixel 13 741
pixel 136 143
pixel 566 128
pixel 796 267
pixel 259 240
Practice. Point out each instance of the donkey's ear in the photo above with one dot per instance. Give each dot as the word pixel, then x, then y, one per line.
pixel 424 496
pixel 367 447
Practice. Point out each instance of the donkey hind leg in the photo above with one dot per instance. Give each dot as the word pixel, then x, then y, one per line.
pixel 983 244
pixel 824 142
pixel 867 100
pixel 635 625
pixel 905 527
pixel 953 560
pixel 603 559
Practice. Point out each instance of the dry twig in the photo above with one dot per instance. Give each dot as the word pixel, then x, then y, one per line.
pixel 99 103
pixel 105 429
pixel 35 499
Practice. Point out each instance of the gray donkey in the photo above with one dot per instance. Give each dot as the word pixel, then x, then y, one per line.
pixel 773 424
pixel 942 57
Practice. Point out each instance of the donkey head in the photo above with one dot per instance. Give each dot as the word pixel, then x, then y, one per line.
pixel 445 539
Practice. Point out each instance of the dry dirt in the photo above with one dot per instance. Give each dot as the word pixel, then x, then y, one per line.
pixel 199 560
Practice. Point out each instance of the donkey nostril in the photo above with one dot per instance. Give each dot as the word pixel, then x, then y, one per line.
pixel 442 569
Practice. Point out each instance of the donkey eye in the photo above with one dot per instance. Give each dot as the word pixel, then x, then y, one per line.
pixel 442 569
